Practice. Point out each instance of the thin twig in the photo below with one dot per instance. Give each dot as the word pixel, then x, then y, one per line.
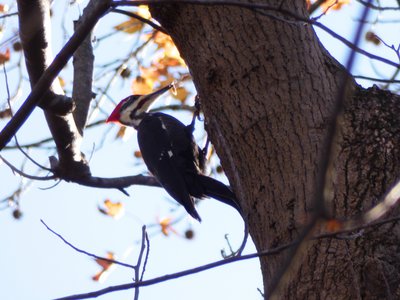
pixel 9 15
pixel 376 79
pixel 139 261
pixel 146 258
pixel 376 7
pixel 85 252
pixel 140 18
pixel 19 172
pixel 12 115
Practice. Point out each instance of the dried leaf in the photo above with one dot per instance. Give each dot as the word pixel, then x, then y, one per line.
pixel 4 8
pixel 143 11
pixel 106 267
pixel 142 85
pixel 372 37
pixel 153 72
pixel 5 113
pixel 131 26
pixel 165 42
pixel 166 226
pixel 124 133
pixel 112 209
pixel 121 132
pixel 333 4
pixel 170 61
pixel 62 81
pixel 181 94
pixel 5 56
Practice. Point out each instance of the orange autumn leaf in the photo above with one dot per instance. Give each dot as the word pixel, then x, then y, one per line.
pixel 4 8
pixel 181 94
pixel 121 132
pixel 153 73
pixel 162 39
pixel 170 61
pixel 124 133
pixel 112 209
pixel 165 43
pixel 6 113
pixel 62 81
pixel 334 4
pixel 131 26
pixel 5 56
pixel 142 85
pixel 106 267
pixel 143 11
pixel 166 226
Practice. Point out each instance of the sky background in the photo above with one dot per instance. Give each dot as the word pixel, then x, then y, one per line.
pixel 35 264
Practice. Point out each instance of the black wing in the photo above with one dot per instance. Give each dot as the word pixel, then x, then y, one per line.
pixel 166 147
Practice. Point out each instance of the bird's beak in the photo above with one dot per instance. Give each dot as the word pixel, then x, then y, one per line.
pixel 149 98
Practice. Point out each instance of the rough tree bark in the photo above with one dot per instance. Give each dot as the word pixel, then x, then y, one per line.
pixel 268 89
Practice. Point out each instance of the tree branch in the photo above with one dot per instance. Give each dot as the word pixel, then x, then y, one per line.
pixel 45 81
pixel 117 182
pixel 140 18
pixel 85 252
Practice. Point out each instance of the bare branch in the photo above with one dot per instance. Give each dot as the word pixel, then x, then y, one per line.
pixel 139 261
pixel 140 18
pixel 376 79
pixel 378 7
pixel 117 182
pixel 85 252
pixel 19 172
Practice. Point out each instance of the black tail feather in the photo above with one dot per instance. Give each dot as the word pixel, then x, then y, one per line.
pixel 219 191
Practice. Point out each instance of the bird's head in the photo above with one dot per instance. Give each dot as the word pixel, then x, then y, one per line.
pixel 131 110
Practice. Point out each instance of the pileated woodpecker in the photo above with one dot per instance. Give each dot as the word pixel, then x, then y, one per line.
pixel 170 152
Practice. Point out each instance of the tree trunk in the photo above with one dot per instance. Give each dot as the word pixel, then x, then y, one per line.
pixel 267 89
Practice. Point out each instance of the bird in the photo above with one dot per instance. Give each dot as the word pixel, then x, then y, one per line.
pixel 170 152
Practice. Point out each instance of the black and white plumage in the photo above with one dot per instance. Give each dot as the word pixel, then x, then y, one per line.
pixel 171 153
